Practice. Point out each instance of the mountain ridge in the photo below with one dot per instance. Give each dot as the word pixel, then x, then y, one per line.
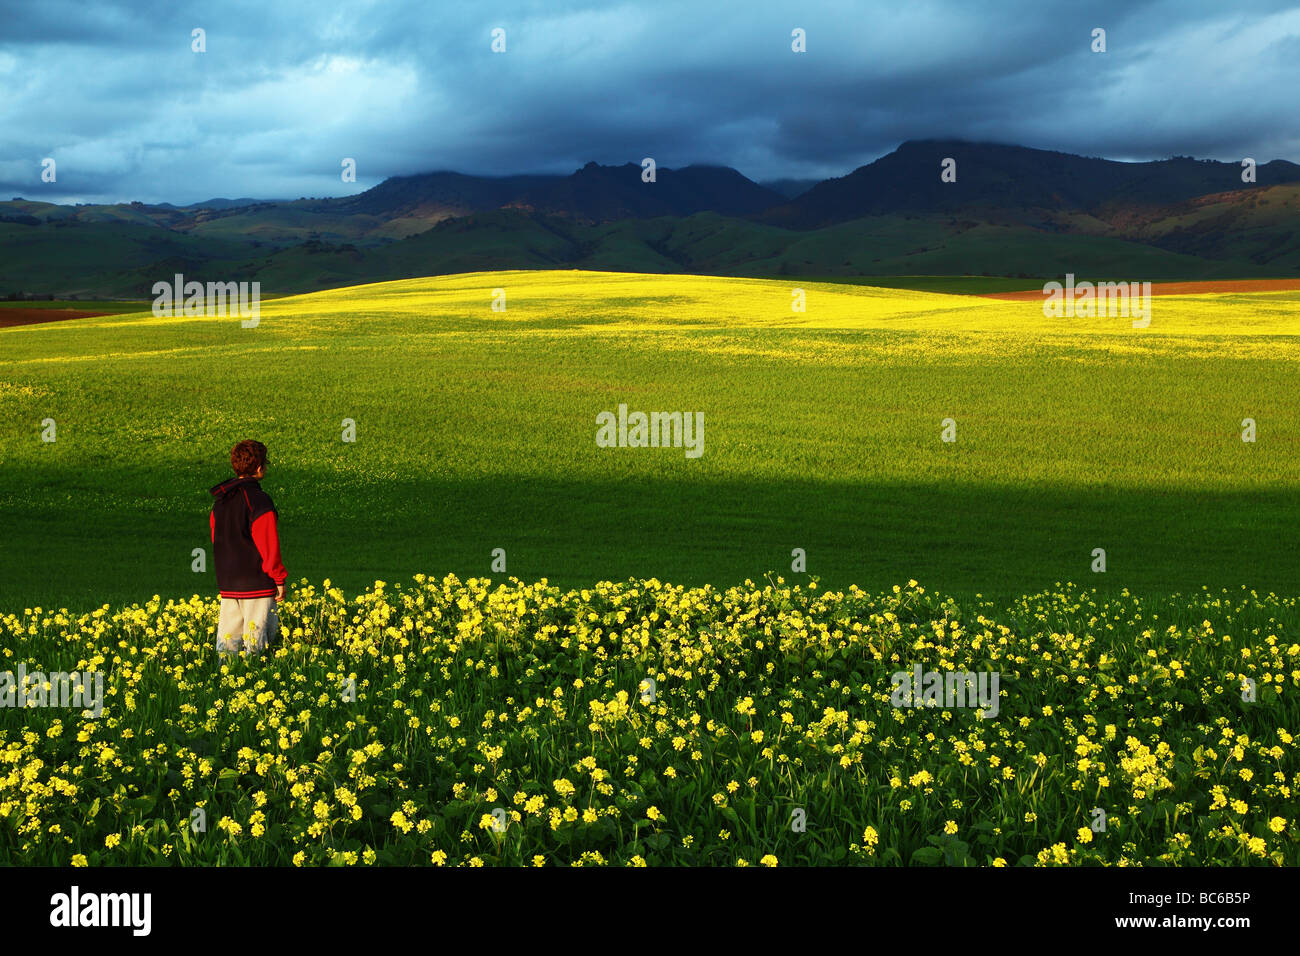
pixel 1012 211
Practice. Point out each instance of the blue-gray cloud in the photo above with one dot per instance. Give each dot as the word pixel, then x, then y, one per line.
pixel 285 91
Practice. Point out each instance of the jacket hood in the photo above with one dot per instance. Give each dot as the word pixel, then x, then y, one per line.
pixel 230 485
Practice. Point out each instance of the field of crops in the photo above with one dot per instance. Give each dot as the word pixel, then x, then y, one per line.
pixel 472 723
pixel 1143 714
pixel 475 431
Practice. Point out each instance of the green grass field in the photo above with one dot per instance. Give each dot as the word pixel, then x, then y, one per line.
pixel 475 430
pixel 87 305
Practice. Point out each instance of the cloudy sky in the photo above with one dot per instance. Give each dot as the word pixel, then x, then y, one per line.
pixel 114 93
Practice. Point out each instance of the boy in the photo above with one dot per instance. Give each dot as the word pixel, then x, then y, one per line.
pixel 246 552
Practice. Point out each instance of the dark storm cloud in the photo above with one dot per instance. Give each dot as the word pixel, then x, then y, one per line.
pixel 287 90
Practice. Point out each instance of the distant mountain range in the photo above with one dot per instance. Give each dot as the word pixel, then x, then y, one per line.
pixel 219 204
pixel 1030 185
pixel 1011 211
pixel 592 194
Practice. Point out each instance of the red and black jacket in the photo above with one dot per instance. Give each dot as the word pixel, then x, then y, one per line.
pixel 245 543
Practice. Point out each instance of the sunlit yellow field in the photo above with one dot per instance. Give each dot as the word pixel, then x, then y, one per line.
pixel 619 301
pixel 503 723
pixel 476 431
pixel 632 301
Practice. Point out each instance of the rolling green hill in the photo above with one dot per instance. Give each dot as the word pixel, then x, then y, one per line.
pixel 476 430
pixel 125 260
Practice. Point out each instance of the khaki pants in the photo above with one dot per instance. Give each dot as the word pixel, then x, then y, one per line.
pixel 248 624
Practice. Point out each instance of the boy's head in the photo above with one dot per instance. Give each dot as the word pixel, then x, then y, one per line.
pixel 248 458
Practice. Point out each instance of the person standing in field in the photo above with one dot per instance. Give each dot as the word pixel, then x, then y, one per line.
pixel 246 552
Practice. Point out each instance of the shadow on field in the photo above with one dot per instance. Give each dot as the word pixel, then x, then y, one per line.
pixel 81 547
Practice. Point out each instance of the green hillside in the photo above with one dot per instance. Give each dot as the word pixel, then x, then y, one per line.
pixel 118 259
pixel 476 431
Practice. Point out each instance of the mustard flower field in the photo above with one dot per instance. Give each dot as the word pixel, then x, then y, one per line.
pixel 824 430
pixel 477 723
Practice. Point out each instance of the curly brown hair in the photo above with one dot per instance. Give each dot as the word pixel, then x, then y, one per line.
pixel 247 457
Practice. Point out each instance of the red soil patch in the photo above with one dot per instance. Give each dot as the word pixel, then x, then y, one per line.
pixel 1180 288
pixel 10 317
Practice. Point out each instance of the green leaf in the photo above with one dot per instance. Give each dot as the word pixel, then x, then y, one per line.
pixel 927 856
pixel 143 804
